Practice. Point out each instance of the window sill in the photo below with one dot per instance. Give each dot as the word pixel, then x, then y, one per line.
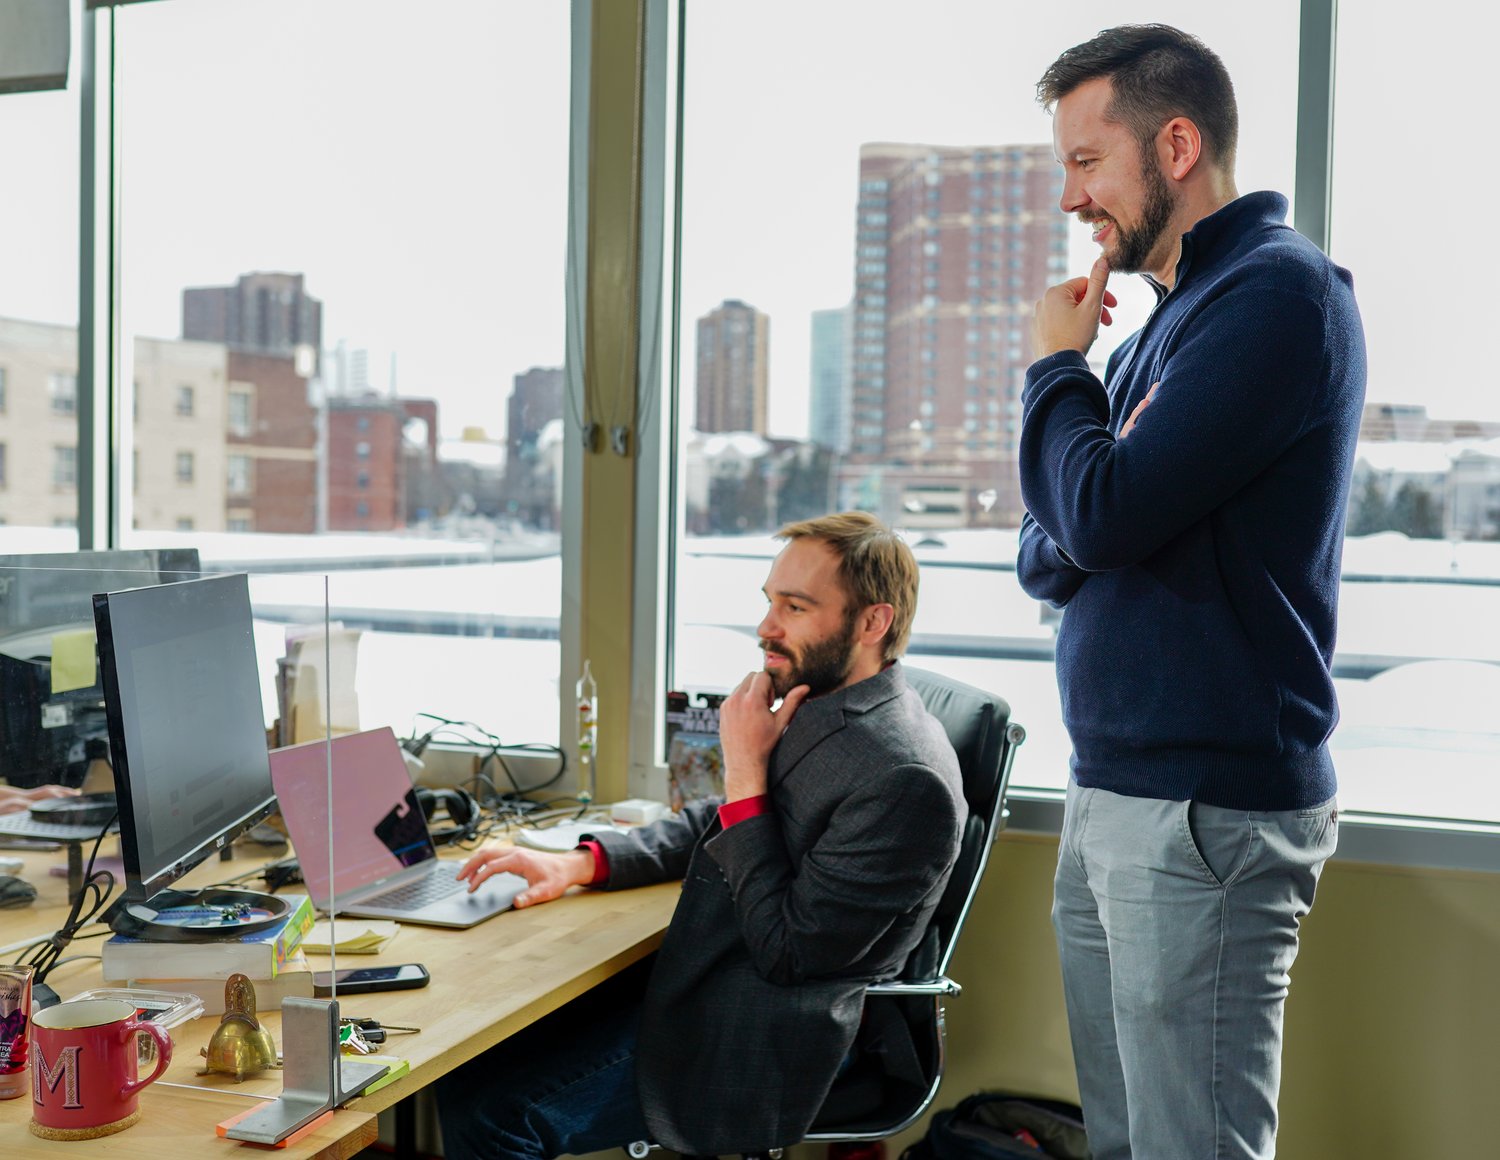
pixel 1373 838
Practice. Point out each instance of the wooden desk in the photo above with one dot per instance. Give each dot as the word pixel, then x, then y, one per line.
pixel 487 983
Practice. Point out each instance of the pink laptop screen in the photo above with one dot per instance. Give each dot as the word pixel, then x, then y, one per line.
pixel 378 827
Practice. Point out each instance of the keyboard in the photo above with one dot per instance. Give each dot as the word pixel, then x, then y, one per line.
pixel 439 884
pixel 23 825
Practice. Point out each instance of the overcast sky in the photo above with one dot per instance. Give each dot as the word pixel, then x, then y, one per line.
pixel 412 161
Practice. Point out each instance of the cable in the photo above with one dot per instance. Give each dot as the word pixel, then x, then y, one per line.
pixel 45 954
pixel 494 745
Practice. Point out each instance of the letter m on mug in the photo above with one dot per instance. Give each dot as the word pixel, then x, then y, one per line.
pixel 64 1071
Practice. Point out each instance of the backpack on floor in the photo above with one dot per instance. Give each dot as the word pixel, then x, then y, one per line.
pixel 1002 1126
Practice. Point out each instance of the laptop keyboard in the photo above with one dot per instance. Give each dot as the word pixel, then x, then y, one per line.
pixel 439 884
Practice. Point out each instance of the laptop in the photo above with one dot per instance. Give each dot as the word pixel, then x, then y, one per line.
pixel 384 863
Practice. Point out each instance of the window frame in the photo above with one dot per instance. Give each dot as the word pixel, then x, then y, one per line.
pixel 1416 841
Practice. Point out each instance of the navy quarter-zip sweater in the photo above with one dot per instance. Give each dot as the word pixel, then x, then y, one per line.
pixel 1198 559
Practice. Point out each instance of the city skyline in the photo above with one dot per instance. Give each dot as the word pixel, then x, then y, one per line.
pixel 399 201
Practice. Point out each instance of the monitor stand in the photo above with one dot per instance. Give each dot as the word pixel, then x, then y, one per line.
pixel 214 912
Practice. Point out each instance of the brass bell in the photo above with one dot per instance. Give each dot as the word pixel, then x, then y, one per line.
pixel 240 1046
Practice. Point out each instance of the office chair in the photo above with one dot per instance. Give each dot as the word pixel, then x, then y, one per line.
pixel 894 1080
pixel 899 1055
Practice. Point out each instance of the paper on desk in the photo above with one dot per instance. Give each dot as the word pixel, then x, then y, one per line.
pixel 357 936
pixel 73 660
pixel 310 651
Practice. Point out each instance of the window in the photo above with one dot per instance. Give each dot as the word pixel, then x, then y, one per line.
pixel 239 475
pixel 62 390
pixel 64 470
pixel 39 296
pixel 185 401
pixel 3 465
pixel 1421 594
pixel 297 333
pixel 239 403
pixel 184 523
pixel 865 204
pixel 184 467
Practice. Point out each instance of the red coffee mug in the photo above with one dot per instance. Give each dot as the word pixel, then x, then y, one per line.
pixel 83 1068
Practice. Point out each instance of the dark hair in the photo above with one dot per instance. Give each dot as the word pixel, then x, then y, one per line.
pixel 1157 72
pixel 875 565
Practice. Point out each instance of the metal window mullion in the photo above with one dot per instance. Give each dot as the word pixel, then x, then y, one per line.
pixel 98 302
pixel 575 294
pixel 1317 47
pixel 657 417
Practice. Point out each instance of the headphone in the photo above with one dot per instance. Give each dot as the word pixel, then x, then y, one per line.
pixel 460 808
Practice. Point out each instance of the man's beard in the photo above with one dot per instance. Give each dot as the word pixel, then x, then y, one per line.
pixel 1133 246
pixel 823 665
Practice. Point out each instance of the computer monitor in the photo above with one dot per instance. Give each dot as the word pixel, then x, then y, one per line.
pixel 48 736
pixel 187 732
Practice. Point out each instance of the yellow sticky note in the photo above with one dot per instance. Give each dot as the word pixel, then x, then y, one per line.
pixel 73 660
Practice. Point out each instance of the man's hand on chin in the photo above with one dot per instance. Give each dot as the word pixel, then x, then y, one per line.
pixel 1069 314
pixel 749 730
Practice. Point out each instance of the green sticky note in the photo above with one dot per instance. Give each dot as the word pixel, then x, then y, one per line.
pixel 73 660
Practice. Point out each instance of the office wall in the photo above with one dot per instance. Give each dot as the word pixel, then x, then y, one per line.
pixel 1393 1023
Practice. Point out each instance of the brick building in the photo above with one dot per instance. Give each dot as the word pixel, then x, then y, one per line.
pixel 953 246
pixel 271 435
pixel 262 313
pixel 379 461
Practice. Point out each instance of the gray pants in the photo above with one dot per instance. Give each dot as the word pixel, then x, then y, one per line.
pixel 1177 927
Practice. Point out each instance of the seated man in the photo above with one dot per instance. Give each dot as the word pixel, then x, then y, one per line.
pixel 815 876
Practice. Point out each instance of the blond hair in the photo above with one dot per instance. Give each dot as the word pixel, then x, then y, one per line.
pixel 875 565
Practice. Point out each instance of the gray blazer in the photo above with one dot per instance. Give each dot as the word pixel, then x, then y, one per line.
pixel 758 989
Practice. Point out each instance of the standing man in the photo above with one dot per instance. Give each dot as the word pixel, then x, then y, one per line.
pixel 1189 515
pixel 816 875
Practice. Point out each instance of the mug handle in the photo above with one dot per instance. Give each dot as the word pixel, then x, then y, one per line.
pixel 134 1027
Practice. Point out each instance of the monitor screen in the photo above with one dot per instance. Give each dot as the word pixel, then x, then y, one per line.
pixel 186 727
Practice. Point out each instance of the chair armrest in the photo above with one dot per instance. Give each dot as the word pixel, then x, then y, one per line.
pixel 942 985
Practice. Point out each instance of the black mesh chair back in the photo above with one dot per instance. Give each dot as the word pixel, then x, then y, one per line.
pixel 899 1064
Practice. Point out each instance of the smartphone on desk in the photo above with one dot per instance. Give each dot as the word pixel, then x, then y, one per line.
pixel 359 980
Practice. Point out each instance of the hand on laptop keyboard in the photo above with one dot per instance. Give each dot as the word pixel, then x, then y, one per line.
pixel 548 876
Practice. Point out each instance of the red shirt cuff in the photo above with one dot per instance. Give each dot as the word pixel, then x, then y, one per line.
pixel 601 862
pixel 732 812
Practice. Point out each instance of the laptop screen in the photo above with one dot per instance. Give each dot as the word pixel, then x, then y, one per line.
pixel 378 826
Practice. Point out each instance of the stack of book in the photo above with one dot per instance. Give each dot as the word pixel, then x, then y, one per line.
pixel 272 959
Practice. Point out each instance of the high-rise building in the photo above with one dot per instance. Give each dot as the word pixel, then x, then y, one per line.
pixel 349 368
pixel 828 400
pixel 536 399
pixel 953 246
pixel 734 342
pixel 262 313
